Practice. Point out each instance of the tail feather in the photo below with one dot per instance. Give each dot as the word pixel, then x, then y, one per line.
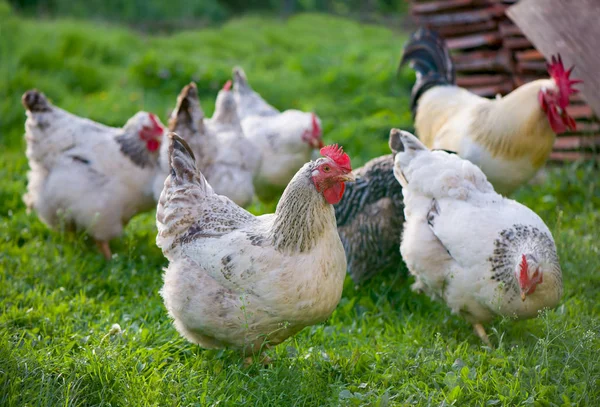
pixel 405 147
pixel 188 109
pixel 429 57
pixel 35 101
pixel 239 78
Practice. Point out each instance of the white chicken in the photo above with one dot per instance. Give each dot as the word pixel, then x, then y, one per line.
pixel 241 281
pixel 233 159
pixel 286 138
pixel 484 255
pixel 187 120
pixel 88 175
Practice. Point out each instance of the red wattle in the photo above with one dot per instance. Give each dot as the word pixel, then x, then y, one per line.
pixel 334 194
pixel 152 145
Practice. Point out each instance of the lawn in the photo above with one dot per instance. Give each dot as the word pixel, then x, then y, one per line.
pixel 383 346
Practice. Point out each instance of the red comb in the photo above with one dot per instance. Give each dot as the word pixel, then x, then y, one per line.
pixel 338 156
pixel 523 268
pixel 157 127
pixel 227 85
pixel 315 125
pixel 557 71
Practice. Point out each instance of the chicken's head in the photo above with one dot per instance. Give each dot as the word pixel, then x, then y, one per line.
pixel 148 128
pixel 529 274
pixel 331 172
pixel 554 101
pixel 225 107
pixel 312 135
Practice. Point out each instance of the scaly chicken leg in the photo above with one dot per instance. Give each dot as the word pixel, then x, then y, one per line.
pixel 104 249
pixel 480 331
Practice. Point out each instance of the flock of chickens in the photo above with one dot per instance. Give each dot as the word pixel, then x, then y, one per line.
pixel 249 282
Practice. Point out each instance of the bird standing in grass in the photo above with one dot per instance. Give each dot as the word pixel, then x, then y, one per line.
pixel 243 281
pixel 286 138
pixel 509 138
pixel 369 219
pixel 482 254
pixel 88 175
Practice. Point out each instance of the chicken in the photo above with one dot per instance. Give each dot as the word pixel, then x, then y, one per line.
pixel 480 253
pixel 87 175
pixel 509 138
pixel 187 120
pixel 240 281
pixel 369 220
pixel 286 138
pixel 234 159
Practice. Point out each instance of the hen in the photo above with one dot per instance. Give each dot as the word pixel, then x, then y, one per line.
pixel 233 159
pixel 187 120
pixel 482 254
pixel 241 281
pixel 287 138
pixel 369 219
pixel 88 175
pixel 510 138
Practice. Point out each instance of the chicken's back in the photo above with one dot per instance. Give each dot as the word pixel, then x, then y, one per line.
pixel 440 112
pixel 369 219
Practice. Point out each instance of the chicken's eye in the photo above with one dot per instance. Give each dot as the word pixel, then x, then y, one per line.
pixel 326 168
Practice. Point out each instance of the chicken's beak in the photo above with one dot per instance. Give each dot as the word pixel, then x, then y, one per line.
pixel 522 296
pixel 347 177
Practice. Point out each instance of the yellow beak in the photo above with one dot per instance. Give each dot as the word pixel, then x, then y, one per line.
pixel 347 177
pixel 523 296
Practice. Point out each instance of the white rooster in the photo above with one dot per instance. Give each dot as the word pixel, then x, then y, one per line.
pixel 241 281
pixel 286 138
pixel 88 175
pixel 484 255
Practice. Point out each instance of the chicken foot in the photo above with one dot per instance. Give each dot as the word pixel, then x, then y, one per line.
pixel 104 249
pixel 480 331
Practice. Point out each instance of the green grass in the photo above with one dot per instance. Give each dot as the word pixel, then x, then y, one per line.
pixel 383 345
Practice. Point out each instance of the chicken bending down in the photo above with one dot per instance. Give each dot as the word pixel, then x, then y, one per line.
pixel 241 281
pixel 509 138
pixel 369 219
pixel 86 175
pixel 286 139
pixel 480 253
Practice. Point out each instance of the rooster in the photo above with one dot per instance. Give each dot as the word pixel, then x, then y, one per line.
pixel 509 138
pixel 88 175
pixel 369 219
pixel 241 281
pixel 287 138
pixel 482 254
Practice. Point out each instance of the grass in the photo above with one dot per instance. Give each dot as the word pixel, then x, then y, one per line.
pixel 383 346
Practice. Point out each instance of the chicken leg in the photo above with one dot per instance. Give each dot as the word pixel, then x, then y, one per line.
pixel 480 331
pixel 104 249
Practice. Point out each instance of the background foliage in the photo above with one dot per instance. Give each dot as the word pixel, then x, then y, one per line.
pixel 383 345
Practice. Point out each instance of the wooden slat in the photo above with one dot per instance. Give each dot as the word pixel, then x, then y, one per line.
pixel 474 41
pixel 486 61
pixel 532 66
pixel 508 29
pixel 442 5
pixel 573 156
pixel 529 55
pixel 481 80
pixel 588 127
pixel 517 43
pixel 465 17
pixel 463 29
pixel 577 142
pixel 569 28
pixel 580 111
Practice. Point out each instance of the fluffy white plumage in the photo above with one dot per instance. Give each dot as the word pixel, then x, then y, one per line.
pixel 85 174
pixel 236 280
pixel 285 139
pixel 465 244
